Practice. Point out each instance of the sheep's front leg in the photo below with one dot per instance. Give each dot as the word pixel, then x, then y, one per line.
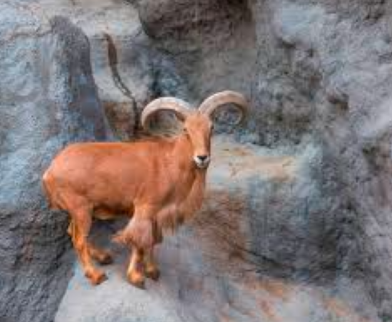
pixel 135 271
pixel 140 234
pixel 151 266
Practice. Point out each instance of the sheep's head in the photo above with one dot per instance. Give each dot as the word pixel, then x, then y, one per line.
pixel 198 128
pixel 197 123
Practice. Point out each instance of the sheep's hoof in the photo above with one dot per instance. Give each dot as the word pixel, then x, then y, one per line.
pixel 96 277
pixel 153 274
pixel 137 281
pixel 140 285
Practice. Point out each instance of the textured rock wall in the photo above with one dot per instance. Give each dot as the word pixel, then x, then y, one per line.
pixel 317 76
pixel 47 99
pixel 336 58
pixel 317 71
pixel 188 31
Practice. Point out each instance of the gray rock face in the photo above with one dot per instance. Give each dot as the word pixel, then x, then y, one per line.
pixel 188 31
pixel 337 64
pixel 47 99
pixel 312 247
pixel 322 69
pixel 128 69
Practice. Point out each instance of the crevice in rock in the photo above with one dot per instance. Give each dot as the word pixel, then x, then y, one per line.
pixel 113 62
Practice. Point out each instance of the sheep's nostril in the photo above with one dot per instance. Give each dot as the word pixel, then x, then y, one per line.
pixel 202 157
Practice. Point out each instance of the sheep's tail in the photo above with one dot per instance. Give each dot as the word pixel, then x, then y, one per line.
pixel 47 190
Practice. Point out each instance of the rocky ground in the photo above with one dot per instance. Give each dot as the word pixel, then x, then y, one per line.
pixel 296 226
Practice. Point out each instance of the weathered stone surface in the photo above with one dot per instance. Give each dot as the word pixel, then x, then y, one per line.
pixel 322 69
pixel 47 99
pixel 337 59
pixel 317 74
pixel 188 31
pixel 128 70
pixel 252 254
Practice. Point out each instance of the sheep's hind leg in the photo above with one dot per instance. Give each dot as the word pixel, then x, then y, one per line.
pixel 151 266
pixel 135 271
pixel 80 228
pixel 101 256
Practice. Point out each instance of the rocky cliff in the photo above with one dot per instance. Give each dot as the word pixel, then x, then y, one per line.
pixel 296 224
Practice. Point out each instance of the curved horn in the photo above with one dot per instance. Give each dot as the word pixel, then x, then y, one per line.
pixel 211 103
pixel 180 108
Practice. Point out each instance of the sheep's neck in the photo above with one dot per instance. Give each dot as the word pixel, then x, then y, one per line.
pixel 192 180
pixel 196 195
